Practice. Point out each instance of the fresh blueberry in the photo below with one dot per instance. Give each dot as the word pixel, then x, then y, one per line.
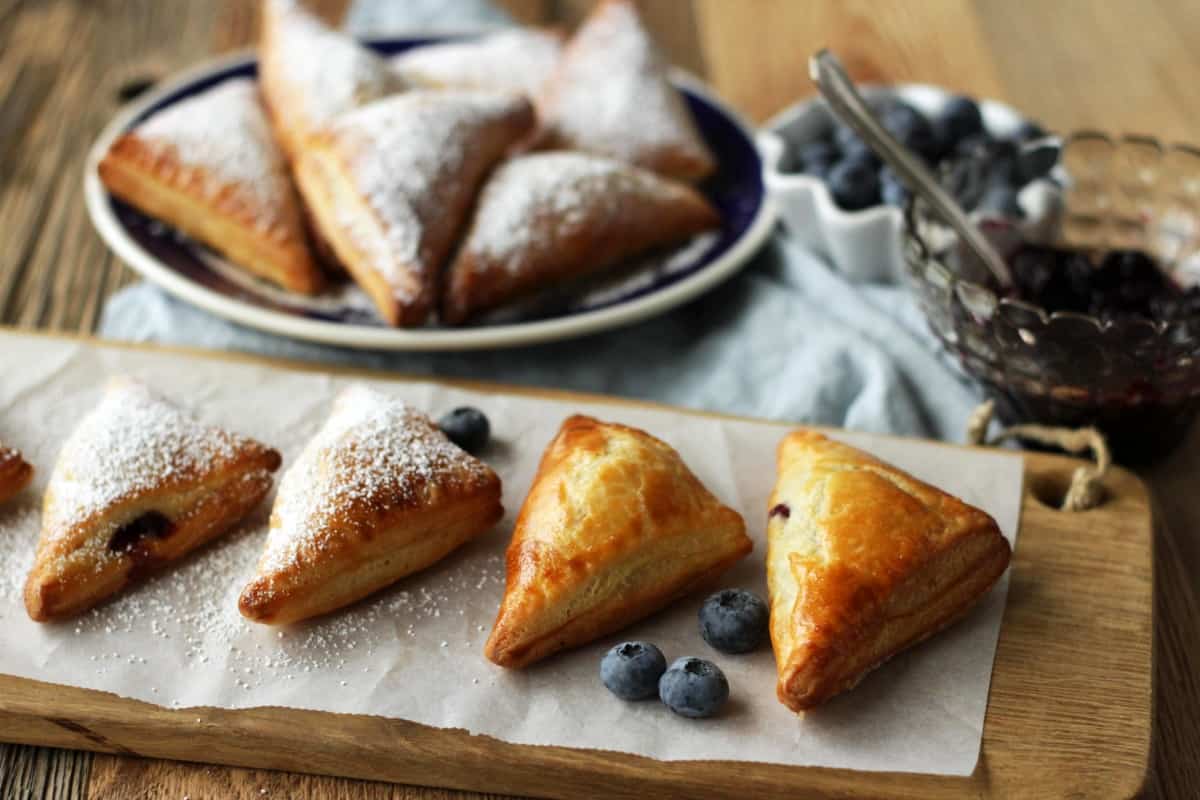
pixel 631 670
pixel 973 146
pixel 912 130
pixel 892 190
pixel 734 620
pixel 1036 159
pixel 693 687
pixel 852 147
pixel 959 119
pixel 817 157
pixel 853 184
pixel 1028 129
pixel 1000 200
pixel 467 427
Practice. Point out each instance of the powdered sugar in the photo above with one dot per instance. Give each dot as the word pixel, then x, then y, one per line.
pixel 518 60
pixel 556 193
pixel 223 136
pixel 409 156
pixel 333 71
pixel 611 94
pixel 133 442
pixel 373 454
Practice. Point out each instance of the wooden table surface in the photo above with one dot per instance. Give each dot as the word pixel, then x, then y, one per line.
pixel 1123 65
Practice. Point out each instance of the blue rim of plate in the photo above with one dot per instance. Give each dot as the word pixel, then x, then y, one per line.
pixel 185 269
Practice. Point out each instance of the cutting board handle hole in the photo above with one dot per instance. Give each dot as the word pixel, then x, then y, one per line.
pixel 1050 488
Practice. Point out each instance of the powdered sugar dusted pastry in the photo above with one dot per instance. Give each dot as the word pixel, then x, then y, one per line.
pixel 390 186
pixel 863 561
pixel 138 484
pixel 550 217
pixel 310 73
pixel 614 528
pixel 379 493
pixel 517 60
pixel 210 167
pixel 15 472
pixel 611 96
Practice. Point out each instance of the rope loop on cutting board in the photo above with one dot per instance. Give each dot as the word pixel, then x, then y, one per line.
pixel 1086 490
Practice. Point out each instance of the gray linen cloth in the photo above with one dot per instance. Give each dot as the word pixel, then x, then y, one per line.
pixel 788 338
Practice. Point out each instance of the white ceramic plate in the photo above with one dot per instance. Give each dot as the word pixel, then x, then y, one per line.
pixel 198 276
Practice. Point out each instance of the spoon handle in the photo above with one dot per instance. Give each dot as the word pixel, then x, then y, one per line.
pixel 838 90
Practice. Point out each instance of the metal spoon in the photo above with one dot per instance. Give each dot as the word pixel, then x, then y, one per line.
pixel 838 90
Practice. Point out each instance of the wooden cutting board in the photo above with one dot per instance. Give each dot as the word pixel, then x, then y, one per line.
pixel 1069 711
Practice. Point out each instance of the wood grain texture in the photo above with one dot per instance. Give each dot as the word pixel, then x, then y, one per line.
pixel 1068 63
pixel 1068 712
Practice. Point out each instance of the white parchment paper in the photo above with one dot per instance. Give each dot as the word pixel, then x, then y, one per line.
pixel 415 651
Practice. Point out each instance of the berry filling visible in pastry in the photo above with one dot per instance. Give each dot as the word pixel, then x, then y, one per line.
pixel 138 484
pixel 869 562
pixel 150 525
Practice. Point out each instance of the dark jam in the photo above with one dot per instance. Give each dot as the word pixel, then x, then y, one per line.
pixel 1140 423
pixel 151 525
pixel 780 510
pixel 1119 284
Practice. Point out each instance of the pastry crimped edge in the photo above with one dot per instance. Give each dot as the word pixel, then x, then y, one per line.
pixel 816 662
pixel 15 473
pixel 657 572
pixel 158 184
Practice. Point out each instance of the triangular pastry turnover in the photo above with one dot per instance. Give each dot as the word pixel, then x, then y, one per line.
pixel 310 73
pixel 611 96
pixel 377 494
pixel 390 186
pixel 614 528
pixel 15 472
pixel 138 484
pixel 546 218
pixel 517 60
pixel 209 166
pixel 863 561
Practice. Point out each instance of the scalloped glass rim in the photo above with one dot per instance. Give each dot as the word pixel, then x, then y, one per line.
pixel 958 284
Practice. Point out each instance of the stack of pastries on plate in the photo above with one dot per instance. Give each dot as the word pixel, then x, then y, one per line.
pixel 863 559
pixel 448 181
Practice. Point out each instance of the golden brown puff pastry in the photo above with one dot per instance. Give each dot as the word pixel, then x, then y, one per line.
pixel 516 60
pixel 615 527
pixel 139 483
pixel 546 218
pixel 310 73
pixel 210 167
pixel 611 96
pixel 377 494
pixel 863 561
pixel 15 473
pixel 390 186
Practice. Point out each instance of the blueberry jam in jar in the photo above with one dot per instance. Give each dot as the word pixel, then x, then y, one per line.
pixel 1126 291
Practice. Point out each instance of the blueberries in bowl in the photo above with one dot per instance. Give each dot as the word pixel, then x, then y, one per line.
pixel 854 184
pixel 467 427
pixel 956 134
pixel 912 130
pixel 959 120
pixel 631 670
pixel 734 621
pixel 693 687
